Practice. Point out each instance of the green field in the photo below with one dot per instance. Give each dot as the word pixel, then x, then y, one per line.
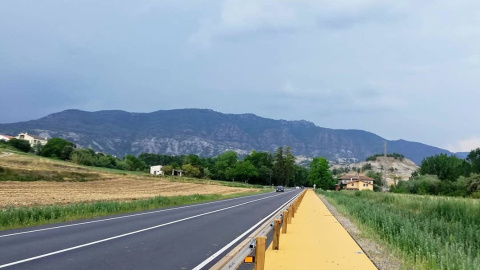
pixel 428 232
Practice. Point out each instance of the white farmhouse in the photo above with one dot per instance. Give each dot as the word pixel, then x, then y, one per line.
pixel 5 137
pixel 32 139
pixel 156 170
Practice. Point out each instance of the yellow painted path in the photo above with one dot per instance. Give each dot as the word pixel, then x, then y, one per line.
pixel 315 240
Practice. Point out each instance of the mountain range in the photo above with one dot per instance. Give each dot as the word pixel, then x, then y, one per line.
pixel 208 133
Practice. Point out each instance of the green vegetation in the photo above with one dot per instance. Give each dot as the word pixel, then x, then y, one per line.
pixel 428 232
pixel 320 175
pixel 21 145
pixel 394 155
pixel 21 217
pixel 260 168
pixel 447 168
pixel 283 166
pixel 445 175
pixel 57 148
pixel 378 180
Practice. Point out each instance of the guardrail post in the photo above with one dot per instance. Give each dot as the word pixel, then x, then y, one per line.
pixel 289 219
pixel 285 217
pixel 293 210
pixel 276 234
pixel 260 253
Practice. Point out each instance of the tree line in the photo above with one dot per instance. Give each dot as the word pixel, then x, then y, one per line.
pixel 261 168
pixel 445 175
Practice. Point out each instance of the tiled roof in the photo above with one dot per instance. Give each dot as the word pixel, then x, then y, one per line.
pixel 355 177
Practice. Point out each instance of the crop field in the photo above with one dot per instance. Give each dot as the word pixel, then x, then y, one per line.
pixel 36 190
pixel 27 180
pixel 428 232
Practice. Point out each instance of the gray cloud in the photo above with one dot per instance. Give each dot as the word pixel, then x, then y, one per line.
pixel 401 69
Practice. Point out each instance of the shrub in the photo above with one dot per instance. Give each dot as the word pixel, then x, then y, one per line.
pixel 55 148
pixel 21 145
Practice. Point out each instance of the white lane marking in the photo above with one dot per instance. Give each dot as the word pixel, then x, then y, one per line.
pixel 216 254
pixel 130 233
pixel 127 216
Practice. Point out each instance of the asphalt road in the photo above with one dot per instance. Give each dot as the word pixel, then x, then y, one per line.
pixel 187 237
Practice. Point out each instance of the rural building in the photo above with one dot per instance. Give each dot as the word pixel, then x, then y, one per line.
pixel 177 172
pixel 5 137
pixel 156 170
pixel 32 139
pixel 354 182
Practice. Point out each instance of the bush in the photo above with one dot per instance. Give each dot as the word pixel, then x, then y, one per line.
pixel 83 157
pixel 21 145
pixel 430 184
pixel 55 148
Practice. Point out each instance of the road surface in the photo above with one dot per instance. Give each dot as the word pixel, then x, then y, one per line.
pixel 187 237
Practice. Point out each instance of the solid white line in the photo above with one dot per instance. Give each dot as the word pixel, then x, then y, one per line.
pixel 216 254
pixel 127 216
pixel 127 234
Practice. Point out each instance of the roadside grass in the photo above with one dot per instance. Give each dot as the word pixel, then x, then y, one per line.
pixel 13 217
pixel 428 232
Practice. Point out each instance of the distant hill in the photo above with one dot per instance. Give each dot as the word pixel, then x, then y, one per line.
pixel 393 168
pixel 208 133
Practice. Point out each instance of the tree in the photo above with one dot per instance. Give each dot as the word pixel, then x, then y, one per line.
pixel 83 157
pixel 474 159
pixel 224 163
pixel 301 176
pixel 191 170
pixel 167 169
pixel 259 159
pixel 55 147
pixel 67 152
pixel 134 164
pixel 320 175
pixel 289 165
pixel 242 171
pixel 473 184
pixel 377 180
pixel 447 168
pixel 283 166
pixel 21 145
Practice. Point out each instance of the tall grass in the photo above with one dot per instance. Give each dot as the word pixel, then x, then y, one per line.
pixel 429 232
pixel 28 216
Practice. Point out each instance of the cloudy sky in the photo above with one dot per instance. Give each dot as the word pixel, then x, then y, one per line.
pixel 401 69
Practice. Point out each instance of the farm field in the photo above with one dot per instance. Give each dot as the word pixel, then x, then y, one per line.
pixel 428 232
pixel 45 182
pixel 36 190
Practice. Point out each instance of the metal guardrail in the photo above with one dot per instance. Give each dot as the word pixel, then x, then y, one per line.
pixel 236 256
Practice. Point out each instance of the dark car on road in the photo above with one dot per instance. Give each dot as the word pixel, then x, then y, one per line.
pixel 280 189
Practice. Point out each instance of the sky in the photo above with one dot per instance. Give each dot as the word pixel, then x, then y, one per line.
pixel 400 69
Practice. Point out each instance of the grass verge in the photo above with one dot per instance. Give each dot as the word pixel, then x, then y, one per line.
pixel 429 232
pixel 11 218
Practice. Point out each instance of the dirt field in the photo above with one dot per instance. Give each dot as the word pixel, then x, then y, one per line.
pixel 104 186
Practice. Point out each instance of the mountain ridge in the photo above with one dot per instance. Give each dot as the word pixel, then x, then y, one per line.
pixel 208 133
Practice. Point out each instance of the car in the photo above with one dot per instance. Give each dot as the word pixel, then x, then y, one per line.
pixel 297 187
pixel 280 189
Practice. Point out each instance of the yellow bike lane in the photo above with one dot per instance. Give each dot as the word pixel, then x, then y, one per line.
pixel 316 240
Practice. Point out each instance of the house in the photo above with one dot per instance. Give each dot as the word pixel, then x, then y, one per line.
pixel 156 170
pixel 5 137
pixel 32 139
pixel 354 182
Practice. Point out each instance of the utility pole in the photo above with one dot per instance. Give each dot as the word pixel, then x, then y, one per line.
pixel 385 185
